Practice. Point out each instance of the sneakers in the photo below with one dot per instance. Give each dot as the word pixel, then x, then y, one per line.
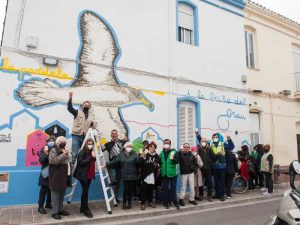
pixel 42 211
pixel 181 202
pixel 193 202
pixel 228 197
pixel 263 189
pixel 267 194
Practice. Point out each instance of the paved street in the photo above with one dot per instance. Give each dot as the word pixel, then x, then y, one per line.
pixel 252 213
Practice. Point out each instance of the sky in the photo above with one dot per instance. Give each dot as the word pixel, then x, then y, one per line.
pixel 287 8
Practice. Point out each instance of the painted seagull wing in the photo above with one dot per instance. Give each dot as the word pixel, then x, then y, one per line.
pixel 108 118
pixel 37 93
pixel 98 47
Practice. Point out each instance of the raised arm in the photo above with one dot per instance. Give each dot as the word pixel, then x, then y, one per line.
pixel 71 109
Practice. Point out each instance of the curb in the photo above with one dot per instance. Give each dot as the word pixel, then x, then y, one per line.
pixel 157 212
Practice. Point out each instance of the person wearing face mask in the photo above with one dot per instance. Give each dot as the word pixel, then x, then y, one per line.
pixel 59 170
pixel 44 179
pixel 168 170
pixel 266 167
pixel 149 165
pixel 85 172
pixel 129 162
pixel 114 148
pixel 205 153
pixel 218 164
pixel 188 165
pixel 83 119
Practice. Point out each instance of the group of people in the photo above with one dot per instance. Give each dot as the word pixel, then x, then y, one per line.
pixel 210 164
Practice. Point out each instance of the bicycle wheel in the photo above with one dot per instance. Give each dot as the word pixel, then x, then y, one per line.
pixel 239 185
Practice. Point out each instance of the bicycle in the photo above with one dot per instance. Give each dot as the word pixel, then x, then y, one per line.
pixel 239 184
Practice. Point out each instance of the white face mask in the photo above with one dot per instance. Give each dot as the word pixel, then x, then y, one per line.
pixel 216 139
pixel 90 146
pixel 203 144
pixel 166 146
pixel 128 149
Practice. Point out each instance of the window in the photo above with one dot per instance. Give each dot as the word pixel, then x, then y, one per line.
pixel 187 123
pixel 254 129
pixel 250 58
pixel 187 22
pixel 296 59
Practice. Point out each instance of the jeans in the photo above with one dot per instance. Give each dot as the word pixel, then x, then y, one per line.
pixel 146 192
pixel 269 181
pixel 169 189
pixel 115 179
pixel 44 191
pixel 187 179
pixel 229 181
pixel 77 141
pixel 85 195
pixel 219 177
pixel 206 174
pixel 128 188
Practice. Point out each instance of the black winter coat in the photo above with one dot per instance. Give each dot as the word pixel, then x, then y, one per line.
pixel 44 161
pixel 206 155
pixel 149 165
pixel 128 163
pixel 83 164
pixel 109 146
pixel 231 163
pixel 187 162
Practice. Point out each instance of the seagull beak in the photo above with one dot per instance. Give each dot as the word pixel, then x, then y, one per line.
pixel 147 103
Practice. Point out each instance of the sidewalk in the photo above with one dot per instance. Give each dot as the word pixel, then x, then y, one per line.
pixel 29 214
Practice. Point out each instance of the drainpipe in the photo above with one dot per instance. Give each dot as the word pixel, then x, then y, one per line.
pixel 272 126
pixel 19 26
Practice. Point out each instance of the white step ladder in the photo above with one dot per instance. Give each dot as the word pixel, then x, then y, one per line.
pixel 108 192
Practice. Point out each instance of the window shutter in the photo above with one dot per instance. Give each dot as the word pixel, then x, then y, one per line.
pixel 187 123
pixel 185 16
pixel 296 56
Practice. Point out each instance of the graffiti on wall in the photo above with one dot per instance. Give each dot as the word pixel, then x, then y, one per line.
pixel 5 138
pixel 224 118
pixel 97 83
pixel 7 68
pixel 35 142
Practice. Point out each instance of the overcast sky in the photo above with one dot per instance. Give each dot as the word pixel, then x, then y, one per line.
pixel 288 8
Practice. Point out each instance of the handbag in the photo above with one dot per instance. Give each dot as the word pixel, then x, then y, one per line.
pixel 45 172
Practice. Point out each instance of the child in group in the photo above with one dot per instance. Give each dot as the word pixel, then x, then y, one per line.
pixel 198 174
pixel 251 171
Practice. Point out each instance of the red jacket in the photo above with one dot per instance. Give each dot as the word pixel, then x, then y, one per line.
pixel 244 170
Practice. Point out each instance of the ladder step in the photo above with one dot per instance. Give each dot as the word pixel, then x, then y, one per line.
pixel 107 188
pixel 110 199
pixel 106 176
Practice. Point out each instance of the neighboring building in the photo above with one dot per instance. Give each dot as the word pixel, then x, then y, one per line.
pixel 152 69
pixel 273 72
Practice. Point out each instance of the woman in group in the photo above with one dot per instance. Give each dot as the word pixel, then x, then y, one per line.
pixel 59 170
pixel 129 162
pixel 85 172
pixel 266 167
pixel 149 166
pixel 44 176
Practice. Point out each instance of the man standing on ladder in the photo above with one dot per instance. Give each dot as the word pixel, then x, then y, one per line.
pixel 83 120
pixel 114 147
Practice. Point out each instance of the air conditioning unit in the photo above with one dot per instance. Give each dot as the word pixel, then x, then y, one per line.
pixel 286 92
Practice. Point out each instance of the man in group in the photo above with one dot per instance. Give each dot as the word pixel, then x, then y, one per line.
pixel 205 153
pixel 83 119
pixel 168 171
pixel 114 147
pixel 188 165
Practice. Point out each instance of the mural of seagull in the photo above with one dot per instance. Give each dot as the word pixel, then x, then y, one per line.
pixel 98 84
